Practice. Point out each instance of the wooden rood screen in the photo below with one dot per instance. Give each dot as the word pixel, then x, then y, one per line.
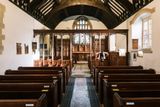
pixel 63 47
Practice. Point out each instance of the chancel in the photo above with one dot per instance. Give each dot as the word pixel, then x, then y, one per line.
pixel 79 53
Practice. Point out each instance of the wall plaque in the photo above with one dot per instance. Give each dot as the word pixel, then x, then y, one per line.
pixel 134 43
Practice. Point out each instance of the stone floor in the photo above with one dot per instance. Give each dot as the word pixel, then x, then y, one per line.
pixel 81 94
pixel 81 70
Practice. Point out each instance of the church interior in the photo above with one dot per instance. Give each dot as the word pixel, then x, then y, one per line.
pixel 79 53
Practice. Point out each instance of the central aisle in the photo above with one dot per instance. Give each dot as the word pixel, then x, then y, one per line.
pixel 80 96
pixel 80 90
pixel 81 70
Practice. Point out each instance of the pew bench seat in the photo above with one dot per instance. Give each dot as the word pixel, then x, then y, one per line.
pixel 49 89
pixel 124 78
pixel 97 69
pixel 147 101
pixel 142 88
pixel 35 79
pixel 16 99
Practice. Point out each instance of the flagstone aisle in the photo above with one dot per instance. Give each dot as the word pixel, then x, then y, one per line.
pixel 81 70
pixel 79 95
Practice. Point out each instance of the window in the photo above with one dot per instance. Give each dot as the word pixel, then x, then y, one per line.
pixel 142 31
pixel 146 33
pixel 81 23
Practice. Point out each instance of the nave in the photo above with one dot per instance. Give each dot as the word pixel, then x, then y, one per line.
pixel 41 64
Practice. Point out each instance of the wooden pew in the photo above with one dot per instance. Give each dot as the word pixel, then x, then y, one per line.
pixel 124 87
pixel 38 72
pixel 97 69
pixel 35 79
pixel 123 71
pixel 64 69
pixel 17 99
pixel 136 101
pixel 124 78
pixel 68 64
pixel 49 89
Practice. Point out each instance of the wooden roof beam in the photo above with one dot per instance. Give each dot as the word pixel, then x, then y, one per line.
pixel 126 4
pixel 36 4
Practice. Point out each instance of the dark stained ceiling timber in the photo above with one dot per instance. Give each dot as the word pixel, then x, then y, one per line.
pixel 52 12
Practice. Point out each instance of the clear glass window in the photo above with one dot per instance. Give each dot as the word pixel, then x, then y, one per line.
pixel 81 23
pixel 146 33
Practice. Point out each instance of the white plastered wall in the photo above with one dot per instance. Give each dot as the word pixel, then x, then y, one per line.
pixel 18 28
pixel 150 60
pixel 67 23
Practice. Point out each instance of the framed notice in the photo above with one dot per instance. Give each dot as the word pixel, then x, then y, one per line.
pixel 134 43
pixel 26 49
pixel 34 46
pixel 19 48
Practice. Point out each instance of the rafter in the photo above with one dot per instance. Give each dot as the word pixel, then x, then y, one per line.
pixel 51 12
pixel 126 5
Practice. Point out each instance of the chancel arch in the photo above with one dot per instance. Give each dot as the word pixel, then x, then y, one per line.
pixel 80 40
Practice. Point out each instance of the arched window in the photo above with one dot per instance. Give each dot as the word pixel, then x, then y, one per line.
pixel 147 32
pixel 142 30
pixel 81 23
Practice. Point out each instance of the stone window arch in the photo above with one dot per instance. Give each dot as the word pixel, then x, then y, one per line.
pixel 141 29
pixel 81 23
